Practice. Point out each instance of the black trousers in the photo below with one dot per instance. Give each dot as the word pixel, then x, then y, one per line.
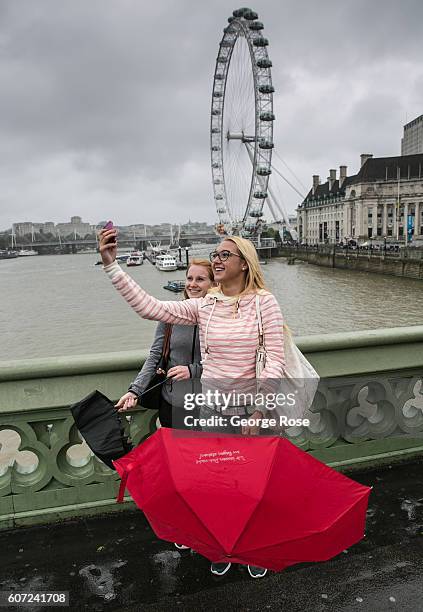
pixel 166 417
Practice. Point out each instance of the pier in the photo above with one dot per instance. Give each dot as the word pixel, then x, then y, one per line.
pixel 407 262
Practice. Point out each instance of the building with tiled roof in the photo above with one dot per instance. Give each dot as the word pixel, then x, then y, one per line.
pixel 383 200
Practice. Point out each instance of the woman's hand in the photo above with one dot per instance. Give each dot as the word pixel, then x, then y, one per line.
pixel 129 400
pixel 179 372
pixel 253 430
pixel 108 249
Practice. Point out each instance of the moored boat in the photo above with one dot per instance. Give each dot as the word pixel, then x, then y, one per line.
pixel 135 260
pixel 7 254
pixel 27 253
pixel 166 263
pixel 176 286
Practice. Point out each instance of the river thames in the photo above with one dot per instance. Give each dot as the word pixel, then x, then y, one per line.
pixel 65 305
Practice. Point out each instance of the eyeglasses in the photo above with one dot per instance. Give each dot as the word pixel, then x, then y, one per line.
pixel 223 255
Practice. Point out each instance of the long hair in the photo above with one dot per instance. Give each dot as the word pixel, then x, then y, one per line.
pixel 204 263
pixel 254 279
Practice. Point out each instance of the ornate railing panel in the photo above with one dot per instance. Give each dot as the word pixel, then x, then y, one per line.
pixel 368 409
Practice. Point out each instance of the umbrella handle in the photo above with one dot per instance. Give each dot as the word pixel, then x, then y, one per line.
pixel 156 385
pixel 122 487
pixel 123 481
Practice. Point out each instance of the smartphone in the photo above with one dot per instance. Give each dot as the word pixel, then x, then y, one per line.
pixel 109 225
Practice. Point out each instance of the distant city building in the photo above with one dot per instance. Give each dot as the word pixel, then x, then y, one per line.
pixel 383 200
pixel 75 227
pixel 412 141
pixel 27 227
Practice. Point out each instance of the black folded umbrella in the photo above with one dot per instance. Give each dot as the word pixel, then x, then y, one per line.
pixel 101 427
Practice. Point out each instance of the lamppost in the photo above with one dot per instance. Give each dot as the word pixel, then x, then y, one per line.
pixel 384 245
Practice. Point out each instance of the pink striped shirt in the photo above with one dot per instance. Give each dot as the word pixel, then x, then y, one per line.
pixel 232 331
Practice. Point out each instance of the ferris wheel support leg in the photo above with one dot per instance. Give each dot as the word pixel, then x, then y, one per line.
pixel 271 199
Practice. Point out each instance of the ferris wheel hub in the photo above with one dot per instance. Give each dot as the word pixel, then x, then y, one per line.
pixel 240 136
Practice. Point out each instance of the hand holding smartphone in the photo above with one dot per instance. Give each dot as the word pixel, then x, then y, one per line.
pixel 109 225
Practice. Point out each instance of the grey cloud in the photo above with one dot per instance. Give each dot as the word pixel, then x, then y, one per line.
pixel 101 99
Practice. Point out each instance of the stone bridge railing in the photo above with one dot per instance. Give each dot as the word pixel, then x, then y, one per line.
pixel 368 410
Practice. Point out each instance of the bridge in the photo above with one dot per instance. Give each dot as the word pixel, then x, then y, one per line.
pixel 107 556
pixel 139 242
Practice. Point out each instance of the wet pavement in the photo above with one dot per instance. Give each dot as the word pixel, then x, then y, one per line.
pixel 116 563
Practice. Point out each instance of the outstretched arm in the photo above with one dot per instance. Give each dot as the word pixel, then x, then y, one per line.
pixel 147 306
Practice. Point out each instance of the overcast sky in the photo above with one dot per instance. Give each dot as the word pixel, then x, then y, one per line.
pixel 104 104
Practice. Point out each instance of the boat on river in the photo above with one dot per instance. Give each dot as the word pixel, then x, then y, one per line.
pixel 176 286
pixel 7 254
pixel 166 263
pixel 27 253
pixel 135 259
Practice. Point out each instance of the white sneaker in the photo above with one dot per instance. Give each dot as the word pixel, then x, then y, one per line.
pixel 219 569
pixel 256 572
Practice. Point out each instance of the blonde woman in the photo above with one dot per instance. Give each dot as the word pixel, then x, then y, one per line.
pixel 226 318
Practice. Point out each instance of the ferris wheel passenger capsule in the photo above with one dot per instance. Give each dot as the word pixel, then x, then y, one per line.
pixel 266 144
pixel 256 212
pixel 215 165
pixel 263 171
pixel 250 227
pixel 219 196
pixel 260 195
pixel 267 116
pixel 221 210
pixel 260 42
pixel 216 112
pixel 241 11
pixel 256 26
pixel 215 148
pixel 266 89
pixel 226 43
pixel 250 15
pixel 264 62
pixel 217 94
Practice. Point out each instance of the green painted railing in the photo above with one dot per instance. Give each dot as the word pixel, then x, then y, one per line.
pixel 368 410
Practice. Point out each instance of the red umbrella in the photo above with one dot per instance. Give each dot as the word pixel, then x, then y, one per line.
pixel 253 500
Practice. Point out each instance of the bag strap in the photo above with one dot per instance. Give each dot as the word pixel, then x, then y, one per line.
pixel 194 338
pixel 166 341
pixel 259 321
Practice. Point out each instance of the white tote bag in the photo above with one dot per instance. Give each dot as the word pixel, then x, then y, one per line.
pixel 300 378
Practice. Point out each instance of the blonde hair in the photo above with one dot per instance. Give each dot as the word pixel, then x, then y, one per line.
pixel 204 263
pixel 254 279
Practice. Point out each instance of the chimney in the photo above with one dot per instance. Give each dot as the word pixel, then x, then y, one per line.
pixel 332 178
pixel 316 182
pixel 364 157
pixel 342 175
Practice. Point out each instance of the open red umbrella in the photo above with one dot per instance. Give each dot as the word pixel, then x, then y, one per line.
pixel 252 500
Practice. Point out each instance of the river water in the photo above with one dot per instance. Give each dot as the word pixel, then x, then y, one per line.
pixel 64 305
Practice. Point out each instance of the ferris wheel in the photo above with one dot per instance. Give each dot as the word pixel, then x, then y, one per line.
pixel 241 126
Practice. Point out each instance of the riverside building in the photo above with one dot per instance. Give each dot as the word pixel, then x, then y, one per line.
pixel 384 200
pixel 412 141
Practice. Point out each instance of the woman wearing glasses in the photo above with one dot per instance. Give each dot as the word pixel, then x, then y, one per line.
pixel 226 318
